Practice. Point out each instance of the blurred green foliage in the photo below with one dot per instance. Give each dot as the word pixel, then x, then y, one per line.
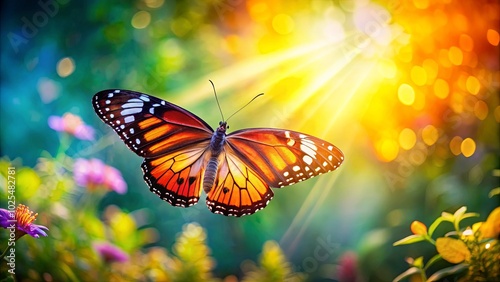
pixel 272 267
pixel 76 225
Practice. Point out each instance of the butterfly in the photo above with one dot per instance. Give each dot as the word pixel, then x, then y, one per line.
pixel 183 155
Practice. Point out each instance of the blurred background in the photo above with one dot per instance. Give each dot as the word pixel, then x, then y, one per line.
pixel 408 90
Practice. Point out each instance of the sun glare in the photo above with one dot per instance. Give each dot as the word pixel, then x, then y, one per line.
pixel 405 75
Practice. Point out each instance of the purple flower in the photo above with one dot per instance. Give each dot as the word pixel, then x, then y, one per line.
pixel 94 173
pixel 110 252
pixel 22 219
pixel 6 218
pixel 73 125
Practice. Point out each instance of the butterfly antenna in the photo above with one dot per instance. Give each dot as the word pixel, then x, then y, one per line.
pixel 245 105
pixel 216 99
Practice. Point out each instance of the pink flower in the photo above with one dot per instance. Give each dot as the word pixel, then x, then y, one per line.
pixel 94 173
pixel 114 180
pixel 110 252
pixel 73 125
pixel 348 268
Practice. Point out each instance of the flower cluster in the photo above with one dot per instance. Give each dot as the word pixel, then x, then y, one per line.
pixel 73 125
pixel 94 173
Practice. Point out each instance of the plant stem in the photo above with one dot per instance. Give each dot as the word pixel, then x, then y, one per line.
pixel 4 253
pixel 423 276
pixel 429 238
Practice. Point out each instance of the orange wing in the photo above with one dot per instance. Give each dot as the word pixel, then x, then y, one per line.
pixel 177 177
pixel 284 157
pixel 172 140
pixel 255 159
pixel 238 190
pixel 150 126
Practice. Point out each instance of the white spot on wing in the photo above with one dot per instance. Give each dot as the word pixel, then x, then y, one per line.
pixel 309 142
pixel 286 173
pixel 307 159
pixel 296 168
pixel 129 119
pixel 132 105
pixel 131 130
pixel 144 98
pixel 135 100
pixel 308 150
pixel 152 111
pixel 330 147
pixel 130 111
pixel 137 141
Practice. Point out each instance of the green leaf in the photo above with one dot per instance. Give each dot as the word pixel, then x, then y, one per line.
pixel 494 192
pixel 447 217
pixel 409 272
pixel 460 212
pixel 434 225
pixel 419 262
pixel 448 271
pixel 432 261
pixel 409 240
pixel 469 214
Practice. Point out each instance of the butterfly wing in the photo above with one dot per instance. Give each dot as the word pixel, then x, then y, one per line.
pixel 175 142
pixel 255 159
pixel 177 177
pixel 172 140
pixel 149 126
pixel 284 157
pixel 238 189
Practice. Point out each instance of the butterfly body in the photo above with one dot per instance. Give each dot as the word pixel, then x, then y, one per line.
pixel 183 155
pixel 216 146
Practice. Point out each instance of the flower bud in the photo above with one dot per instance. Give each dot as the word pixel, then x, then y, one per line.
pixel 418 228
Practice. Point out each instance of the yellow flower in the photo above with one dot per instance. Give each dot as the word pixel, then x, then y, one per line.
pixel 491 227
